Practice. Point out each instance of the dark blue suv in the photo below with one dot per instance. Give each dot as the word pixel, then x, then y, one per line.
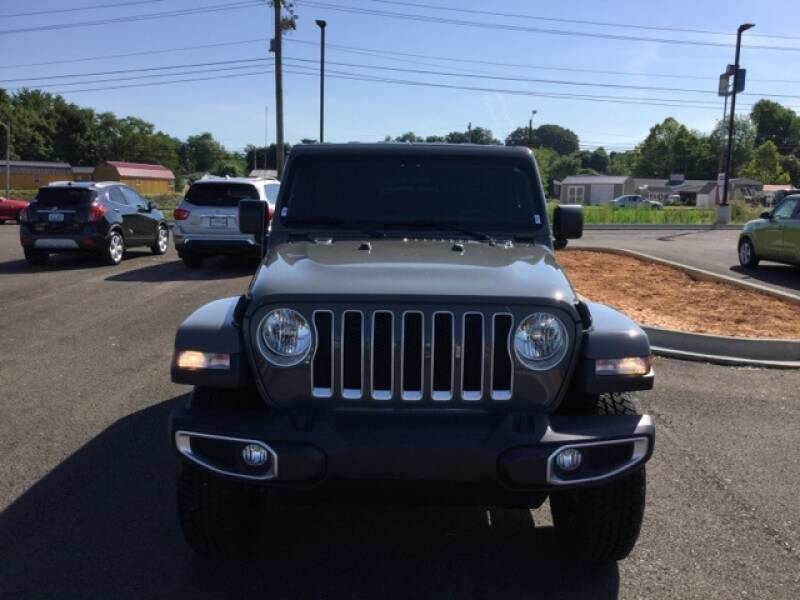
pixel 101 217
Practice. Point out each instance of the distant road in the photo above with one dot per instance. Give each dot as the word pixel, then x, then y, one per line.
pixel 712 250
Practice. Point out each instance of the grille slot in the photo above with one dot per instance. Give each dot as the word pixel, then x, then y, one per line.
pixel 501 357
pixel 442 356
pixel 382 354
pixel 352 354
pixel 472 357
pixel 413 356
pixel 322 368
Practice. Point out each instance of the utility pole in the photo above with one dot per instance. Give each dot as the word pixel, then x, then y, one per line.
pixel 530 129
pixel 8 158
pixel 322 25
pixel 742 28
pixel 266 135
pixel 276 47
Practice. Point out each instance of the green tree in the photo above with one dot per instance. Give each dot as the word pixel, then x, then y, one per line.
pixel 791 164
pixel 521 136
pixel 765 165
pixel 564 166
pixel 434 139
pixel 671 147
pixel 744 140
pixel 409 136
pixel 555 137
pixel 621 163
pixel 598 161
pixel 201 152
pixel 227 167
pixel 545 157
pixel 478 135
pixel 777 124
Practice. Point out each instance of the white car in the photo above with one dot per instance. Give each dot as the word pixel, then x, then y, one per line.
pixel 207 219
pixel 634 201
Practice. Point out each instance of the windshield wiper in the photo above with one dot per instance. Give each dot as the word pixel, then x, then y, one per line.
pixel 449 227
pixel 337 226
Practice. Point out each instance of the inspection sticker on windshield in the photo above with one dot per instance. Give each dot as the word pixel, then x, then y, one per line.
pixel 284 211
pixel 537 219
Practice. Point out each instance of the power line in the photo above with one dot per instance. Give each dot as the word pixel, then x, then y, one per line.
pixel 78 8
pixel 129 54
pixel 573 21
pixel 525 29
pixel 143 17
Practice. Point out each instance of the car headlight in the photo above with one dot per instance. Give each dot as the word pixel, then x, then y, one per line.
pixel 540 341
pixel 284 337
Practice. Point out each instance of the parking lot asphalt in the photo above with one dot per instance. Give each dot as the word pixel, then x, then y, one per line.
pixel 87 476
pixel 713 250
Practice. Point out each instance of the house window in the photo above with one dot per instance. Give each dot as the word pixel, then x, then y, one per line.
pixel 575 194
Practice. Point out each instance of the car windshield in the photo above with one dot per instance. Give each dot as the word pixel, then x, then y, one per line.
pixel 416 192
pixel 220 194
pixel 63 196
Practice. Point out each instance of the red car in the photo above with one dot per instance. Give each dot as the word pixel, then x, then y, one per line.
pixel 10 209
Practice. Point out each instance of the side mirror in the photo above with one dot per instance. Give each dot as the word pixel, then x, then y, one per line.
pixel 567 224
pixel 252 217
pixel 766 215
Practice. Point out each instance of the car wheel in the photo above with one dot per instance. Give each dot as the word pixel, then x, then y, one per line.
pixel 115 248
pixel 192 262
pixel 218 517
pixel 162 240
pixel 36 257
pixel 747 254
pixel 601 524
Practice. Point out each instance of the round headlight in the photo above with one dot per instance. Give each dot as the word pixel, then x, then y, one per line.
pixel 540 341
pixel 284 337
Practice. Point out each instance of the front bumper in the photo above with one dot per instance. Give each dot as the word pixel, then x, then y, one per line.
pixel 495 452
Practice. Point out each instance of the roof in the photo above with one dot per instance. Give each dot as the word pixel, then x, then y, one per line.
pixel 141 170
pixel 770 187
pixel 82 169
pixel 214 179
pixel 584 179
pixel 391 148
pixel 82 184
pixel 37 164
pixel 266 173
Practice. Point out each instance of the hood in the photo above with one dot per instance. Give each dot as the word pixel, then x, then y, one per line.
pixel 412 267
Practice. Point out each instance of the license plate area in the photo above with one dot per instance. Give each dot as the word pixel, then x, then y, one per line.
pixel 218 222
pixel 55 217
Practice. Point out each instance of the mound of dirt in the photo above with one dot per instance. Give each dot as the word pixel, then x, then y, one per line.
pixel 662 296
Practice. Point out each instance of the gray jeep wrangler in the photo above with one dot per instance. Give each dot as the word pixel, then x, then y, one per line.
pixel 410 337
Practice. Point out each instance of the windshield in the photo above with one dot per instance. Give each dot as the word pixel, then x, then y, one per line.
pixel 63 196
pixel 415 191
pixel 221 194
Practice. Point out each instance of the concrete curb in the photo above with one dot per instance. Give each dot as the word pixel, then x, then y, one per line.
pixel 718 349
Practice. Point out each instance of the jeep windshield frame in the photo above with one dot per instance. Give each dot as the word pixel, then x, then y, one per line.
pixel 440 194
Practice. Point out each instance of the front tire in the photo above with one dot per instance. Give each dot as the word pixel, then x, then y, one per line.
pixel 219 518
pixel 601 524
pixel 36 258
pixel 115 248
pixel 162 241
pixel 747 254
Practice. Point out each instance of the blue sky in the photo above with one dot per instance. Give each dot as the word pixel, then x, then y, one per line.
pixel 233 108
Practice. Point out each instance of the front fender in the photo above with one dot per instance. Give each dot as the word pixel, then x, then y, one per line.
pixel 214 329
pixel 612 335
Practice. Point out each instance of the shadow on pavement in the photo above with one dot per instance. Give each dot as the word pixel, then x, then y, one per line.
pixel 66 261
pixel 775 274
pixel 103 524
pixel 221 267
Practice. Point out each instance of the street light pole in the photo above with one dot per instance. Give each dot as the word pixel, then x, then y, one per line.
pixel 8 158
pixel 742 28
pixel 530 128
pixel 278 91
pixel 322 24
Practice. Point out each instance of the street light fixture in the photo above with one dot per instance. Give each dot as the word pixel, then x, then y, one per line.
pixel 742 28
pixel 321 24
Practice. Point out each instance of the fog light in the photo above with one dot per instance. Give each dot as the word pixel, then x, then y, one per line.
pixel 254 455
pixel 632 365
pixel 192 359
pixel 569 459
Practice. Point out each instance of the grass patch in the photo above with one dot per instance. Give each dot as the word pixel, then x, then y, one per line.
pixel 683 215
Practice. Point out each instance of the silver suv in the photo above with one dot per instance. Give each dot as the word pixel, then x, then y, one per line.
pixel 207 219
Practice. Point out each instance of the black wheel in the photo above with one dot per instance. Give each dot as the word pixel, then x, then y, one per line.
pixel 36 257
pixel 192 262
pixel 601 524
pixel 162 240
pixel 219 518
pixel 115 248
pixel 747 254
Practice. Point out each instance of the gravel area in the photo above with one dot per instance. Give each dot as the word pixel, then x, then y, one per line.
pixel 662 296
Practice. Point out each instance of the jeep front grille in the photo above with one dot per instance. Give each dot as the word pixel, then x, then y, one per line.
pixel 411 356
